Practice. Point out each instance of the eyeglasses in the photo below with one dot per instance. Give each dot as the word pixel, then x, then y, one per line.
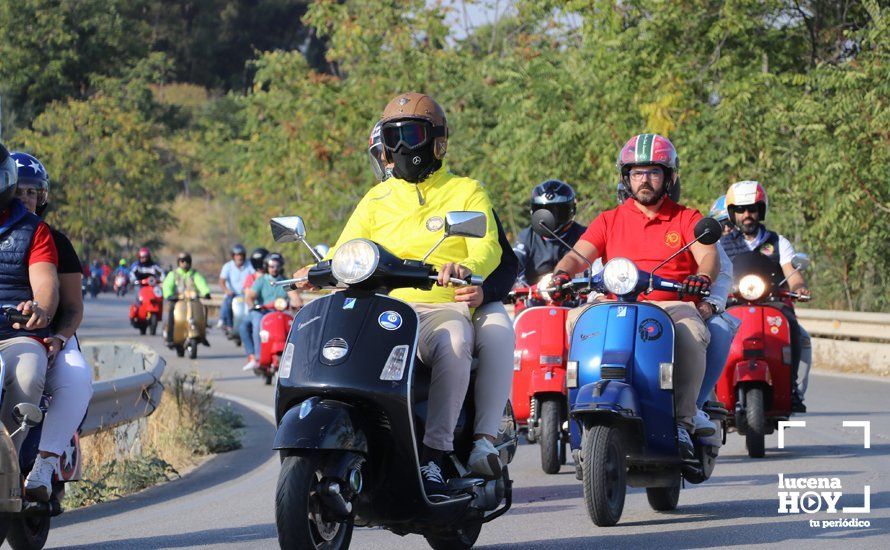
pixel 274 266
pixel 641 173
pixel 746 208
pixel 410 133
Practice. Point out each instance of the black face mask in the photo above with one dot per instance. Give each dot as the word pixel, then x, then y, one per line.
pixel 416 165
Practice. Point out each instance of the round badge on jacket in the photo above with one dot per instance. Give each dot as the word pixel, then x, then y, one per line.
pixel 435 223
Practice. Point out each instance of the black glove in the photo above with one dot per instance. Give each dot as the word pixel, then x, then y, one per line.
pixel 173 299
pixel 560 279
pixel 206 296
pixel 696 285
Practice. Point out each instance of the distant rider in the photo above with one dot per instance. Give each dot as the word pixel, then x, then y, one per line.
pixel 231 281
pixel 747 204
pixel 177 282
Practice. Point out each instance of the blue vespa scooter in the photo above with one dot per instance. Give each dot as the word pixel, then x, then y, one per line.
pixel 619 376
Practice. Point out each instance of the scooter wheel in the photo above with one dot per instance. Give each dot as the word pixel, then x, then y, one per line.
pixel 299 511
pixel 605 474
pixel 550 442
pixel 193 350
pixel 142 329
pixel 663 499
pixel 27 533
pixel 459 538
pixel 180 351
pixel 153 325
pixel 756 420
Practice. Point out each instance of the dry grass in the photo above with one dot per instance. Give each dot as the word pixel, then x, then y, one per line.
pixel 182 432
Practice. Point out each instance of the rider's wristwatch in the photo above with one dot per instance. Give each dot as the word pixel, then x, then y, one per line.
pixel 64 339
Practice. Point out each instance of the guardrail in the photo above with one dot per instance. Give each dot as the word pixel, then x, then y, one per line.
pixel 846 325
pixel 128 385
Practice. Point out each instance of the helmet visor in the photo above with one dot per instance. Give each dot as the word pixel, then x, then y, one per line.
pixel 408 133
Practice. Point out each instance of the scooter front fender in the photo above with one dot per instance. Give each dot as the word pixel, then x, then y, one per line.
pixel 752 371
pixel 320 424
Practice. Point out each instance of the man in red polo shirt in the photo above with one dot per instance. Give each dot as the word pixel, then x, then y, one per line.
pixel 647 228
pixel 28 282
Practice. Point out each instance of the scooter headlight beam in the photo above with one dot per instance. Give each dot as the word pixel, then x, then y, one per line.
pixel 752 287
pixel 355 261
pixel 620 276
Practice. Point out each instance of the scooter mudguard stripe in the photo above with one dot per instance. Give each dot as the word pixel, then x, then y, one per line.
pixel 636 337
pixel 326 425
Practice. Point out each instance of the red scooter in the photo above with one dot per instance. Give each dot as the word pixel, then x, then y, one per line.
pixel 539 377
pixel 274 328
pixel 756 383
pixel 147 311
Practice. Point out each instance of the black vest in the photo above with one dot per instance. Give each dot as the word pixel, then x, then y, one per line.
pixel 16 234
pixel 538 256
pixel 734 244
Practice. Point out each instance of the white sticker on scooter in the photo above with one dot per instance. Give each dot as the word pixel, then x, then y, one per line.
pixel 390 320
pixel 349 303
pixel 622 311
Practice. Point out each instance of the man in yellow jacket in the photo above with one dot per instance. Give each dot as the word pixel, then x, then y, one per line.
pixel 406 215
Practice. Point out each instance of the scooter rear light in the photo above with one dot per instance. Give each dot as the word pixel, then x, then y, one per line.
pixel 550 359
pixel 666 376
pixel 287 359
pixel 571 374
pixel 264 336
pixel 394 368
pixel 517 359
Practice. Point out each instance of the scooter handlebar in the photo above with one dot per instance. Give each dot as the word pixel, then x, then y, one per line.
pixel 15 316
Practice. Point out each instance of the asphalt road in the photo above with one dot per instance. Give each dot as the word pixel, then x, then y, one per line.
pixel 228 502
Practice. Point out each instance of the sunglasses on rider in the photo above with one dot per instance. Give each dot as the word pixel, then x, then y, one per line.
pixel 410 133
pixel 746 208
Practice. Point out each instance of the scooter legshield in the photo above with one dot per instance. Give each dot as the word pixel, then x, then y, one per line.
pixel 540 332
pixel 624 343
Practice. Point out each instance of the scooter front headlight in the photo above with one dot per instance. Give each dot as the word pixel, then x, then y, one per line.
pixel 355 261
pixel 620 276
pixel 752 287
pixel 280 304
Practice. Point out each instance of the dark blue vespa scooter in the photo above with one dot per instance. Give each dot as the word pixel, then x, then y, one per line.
pixel 619 377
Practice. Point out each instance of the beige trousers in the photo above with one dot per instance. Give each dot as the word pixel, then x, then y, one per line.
pixel 495 341
pixel 445 344
pixel 25 360
pixel 690 349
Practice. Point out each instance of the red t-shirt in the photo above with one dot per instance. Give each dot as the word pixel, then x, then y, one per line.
pixel 43 247
pixel 627 232
pixel 248 281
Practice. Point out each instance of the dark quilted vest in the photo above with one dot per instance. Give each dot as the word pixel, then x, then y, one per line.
pixel 16 234
pixel 734 244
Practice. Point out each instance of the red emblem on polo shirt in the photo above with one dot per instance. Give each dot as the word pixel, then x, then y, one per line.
pixel 672 239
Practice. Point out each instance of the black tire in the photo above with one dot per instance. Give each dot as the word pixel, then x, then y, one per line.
pixel 604 474
pixel 268 378
pixel 180 351
pixel 297 511
pixel 755 417
pixel 193 350
pixel 28 533
pixel 460 539
pixel 663 499
pixel 153 325
pixel 142 329
pixel 550 441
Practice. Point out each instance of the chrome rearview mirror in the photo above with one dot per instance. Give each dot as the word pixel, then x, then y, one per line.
pixel 460 223
pixel 289 229
pixel 465 224
pixel 28 413
pixel 800 261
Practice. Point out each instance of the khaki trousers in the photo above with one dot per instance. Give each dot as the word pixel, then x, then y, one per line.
pixel 25 361
pixel 690 349
pixel 495 341
pixel 445 344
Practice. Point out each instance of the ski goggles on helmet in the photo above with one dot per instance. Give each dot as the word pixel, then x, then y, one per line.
pixel 411 134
